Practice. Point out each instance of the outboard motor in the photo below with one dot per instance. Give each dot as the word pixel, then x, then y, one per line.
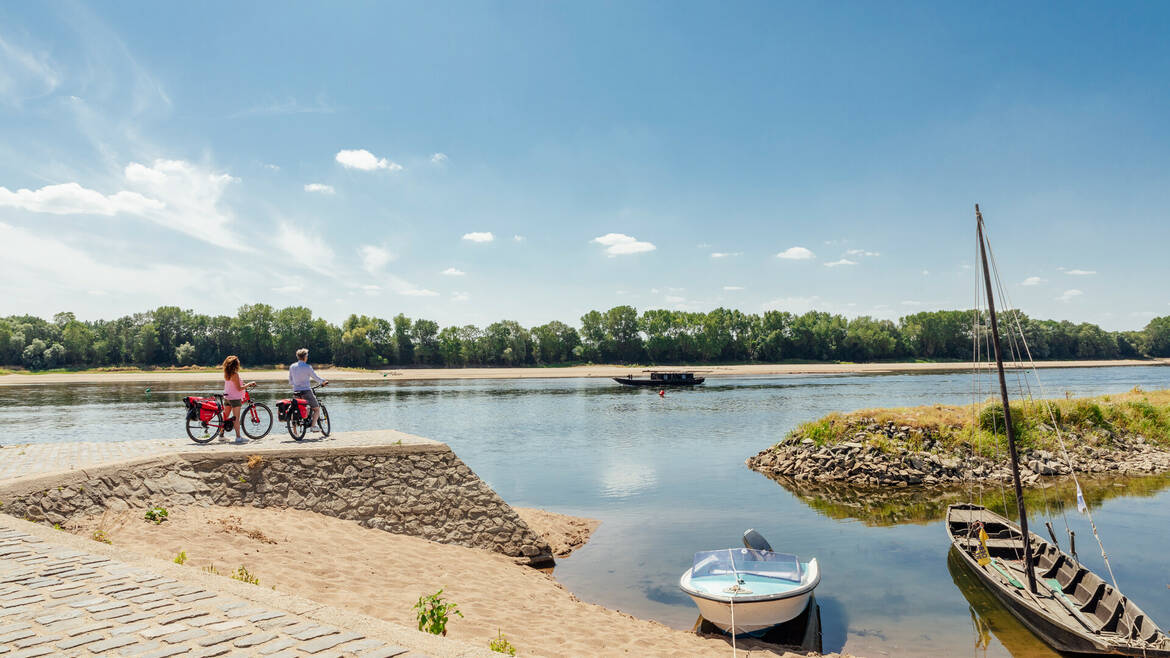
pixel 756 541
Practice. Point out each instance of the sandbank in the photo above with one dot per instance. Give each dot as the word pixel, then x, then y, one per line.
pixel 380 574
pixel 202 376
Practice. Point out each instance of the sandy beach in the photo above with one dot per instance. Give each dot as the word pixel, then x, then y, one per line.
pixel 382 575
pixel 412 374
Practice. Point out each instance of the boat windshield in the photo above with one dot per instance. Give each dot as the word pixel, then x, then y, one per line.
pixel 723 562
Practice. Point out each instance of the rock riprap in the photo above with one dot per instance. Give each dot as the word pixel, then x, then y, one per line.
pixel 418 487
pixel 893 455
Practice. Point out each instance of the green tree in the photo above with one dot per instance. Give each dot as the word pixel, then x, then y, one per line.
pixel 402 328
pixel 185 354
pixel 78 341
pixel 146 345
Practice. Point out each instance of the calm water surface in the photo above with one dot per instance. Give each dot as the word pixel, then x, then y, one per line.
pixel 666 477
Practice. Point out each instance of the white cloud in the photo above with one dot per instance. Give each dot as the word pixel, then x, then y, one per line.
pixel 192 195
pixel 925 272
pixel 364 160
pixel 172 193
pixel 911 302
pixel 843 261
pixel 1032 281
pixel 732 288
pixel 272 167
pixel 289 289
pixel 518 238
pixel 479 236
pixel 38 266
pixel 460 296
pixel 304 249
pixel 1069 295
pixel 25 75
pixel 619 244
pixel 418 292
pixel 1080 272
pixel 861 252
pixel 726 254
pixel 451 271
pixel 320 187
pixel 796 253
pixel 438 158
pixel 372 290
pixel 675 299
pixel 73 199
pixel 374 258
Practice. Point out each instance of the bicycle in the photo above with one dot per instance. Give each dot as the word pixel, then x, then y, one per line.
pixel 205 418
pixel 299 419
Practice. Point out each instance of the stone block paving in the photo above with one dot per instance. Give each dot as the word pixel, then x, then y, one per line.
pixel 44 458
pixel 63 602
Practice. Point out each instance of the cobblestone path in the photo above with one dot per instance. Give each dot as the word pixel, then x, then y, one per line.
pixel 64 602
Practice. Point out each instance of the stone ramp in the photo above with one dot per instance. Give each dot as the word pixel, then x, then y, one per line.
pixel 61 595
pixel 23 460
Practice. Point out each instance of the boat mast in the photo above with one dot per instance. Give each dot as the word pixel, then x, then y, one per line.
pixel 1007 412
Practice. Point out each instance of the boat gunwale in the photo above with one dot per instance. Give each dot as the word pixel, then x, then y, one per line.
pixel 804 588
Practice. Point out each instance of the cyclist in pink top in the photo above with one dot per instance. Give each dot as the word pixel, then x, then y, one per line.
pixel 233 393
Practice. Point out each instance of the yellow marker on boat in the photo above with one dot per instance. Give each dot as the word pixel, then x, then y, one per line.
pixel 981 554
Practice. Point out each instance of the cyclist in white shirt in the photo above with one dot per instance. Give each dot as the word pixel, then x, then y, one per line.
pixel 301 377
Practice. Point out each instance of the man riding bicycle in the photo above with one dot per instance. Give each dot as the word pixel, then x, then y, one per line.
pixel 301 377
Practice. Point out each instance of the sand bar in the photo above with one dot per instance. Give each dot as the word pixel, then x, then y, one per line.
pixel 380 574
pixel 598 371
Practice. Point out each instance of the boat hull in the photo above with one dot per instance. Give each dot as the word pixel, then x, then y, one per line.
pixel 631 381
pixel 751 618
pixel 754 614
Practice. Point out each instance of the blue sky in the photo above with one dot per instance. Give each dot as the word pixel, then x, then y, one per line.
pixel 354 157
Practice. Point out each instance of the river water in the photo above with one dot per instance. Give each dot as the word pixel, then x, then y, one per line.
pixel 666 477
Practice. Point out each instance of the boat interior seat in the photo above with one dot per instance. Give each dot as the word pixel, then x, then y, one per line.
pixel 1070 580
pixel 1052 567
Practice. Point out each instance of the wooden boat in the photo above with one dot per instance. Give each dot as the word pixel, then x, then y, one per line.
pixel 1072 609
pixel 662 378
pixel 1067 606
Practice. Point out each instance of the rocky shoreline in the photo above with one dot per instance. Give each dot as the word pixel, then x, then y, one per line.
pixel 886 454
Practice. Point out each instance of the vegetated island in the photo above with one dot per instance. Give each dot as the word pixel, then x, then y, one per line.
pixel 1125 434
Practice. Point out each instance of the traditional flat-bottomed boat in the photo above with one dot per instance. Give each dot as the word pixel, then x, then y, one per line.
pixel 662 378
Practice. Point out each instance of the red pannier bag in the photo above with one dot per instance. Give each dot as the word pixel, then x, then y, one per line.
pixel 285 409
pixel 206 408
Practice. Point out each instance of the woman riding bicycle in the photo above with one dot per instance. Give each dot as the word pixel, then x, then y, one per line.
pixel 233 393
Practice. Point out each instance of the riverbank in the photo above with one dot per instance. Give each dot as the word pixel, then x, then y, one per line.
pixel 1125 434
pixel 202 375
pixel 380 574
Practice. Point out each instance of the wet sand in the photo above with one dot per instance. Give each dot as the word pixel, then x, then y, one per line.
pixel 381 574
pixel 602 371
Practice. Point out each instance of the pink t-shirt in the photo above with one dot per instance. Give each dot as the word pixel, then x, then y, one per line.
pixel 231 391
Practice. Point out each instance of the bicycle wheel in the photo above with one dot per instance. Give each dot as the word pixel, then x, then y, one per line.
pixel 323 421
pixel 257 419
pixel 201 432
pixel 296 427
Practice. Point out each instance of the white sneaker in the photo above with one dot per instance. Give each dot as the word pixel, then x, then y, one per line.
pixel 240 440
pixel 313 430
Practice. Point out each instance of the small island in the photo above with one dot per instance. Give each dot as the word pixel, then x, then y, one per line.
pixel 1126 434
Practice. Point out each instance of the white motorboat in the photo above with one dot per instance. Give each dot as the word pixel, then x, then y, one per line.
pixel 749 590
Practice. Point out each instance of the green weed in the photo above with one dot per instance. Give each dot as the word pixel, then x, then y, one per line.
pixel 244 576
pixel 500 644
pixel 156 515
pixel 433 613
pixel 181 558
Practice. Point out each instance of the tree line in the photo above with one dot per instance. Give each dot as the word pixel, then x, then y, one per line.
pixel 262 335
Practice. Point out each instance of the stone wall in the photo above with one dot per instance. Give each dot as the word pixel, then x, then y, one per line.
pixel 419 490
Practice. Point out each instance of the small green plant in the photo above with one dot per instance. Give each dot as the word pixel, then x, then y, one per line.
pixel 156 515
pixel 242 479
pixel 433 613
pixel 243 576
pixel 181 558
pixel 211 570
pixel 500 644
pixel 102 536
pixel 57 526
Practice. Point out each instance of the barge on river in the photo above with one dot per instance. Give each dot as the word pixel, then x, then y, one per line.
pixel 662 378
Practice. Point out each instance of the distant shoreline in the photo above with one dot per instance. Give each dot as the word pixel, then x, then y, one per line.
pixel 570 372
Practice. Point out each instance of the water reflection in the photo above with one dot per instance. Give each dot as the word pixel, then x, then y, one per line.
pixel 991 622
pixel 883 506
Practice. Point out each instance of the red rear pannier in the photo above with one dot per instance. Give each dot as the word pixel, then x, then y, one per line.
pixel 206 408
pixel 282 409
pixel 302 408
